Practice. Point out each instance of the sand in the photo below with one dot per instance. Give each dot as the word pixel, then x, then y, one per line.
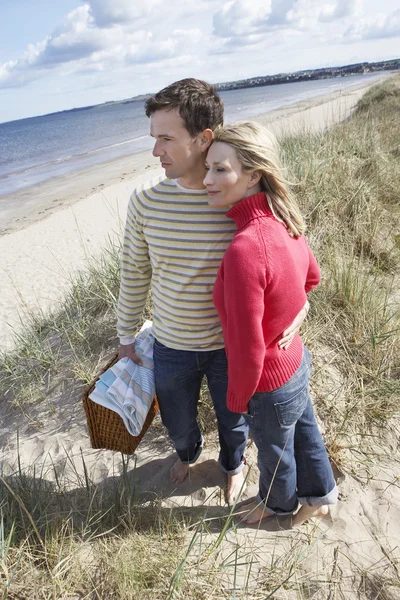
pixel 65 221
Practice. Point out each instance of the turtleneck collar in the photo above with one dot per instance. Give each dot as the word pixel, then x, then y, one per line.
pixel 250 208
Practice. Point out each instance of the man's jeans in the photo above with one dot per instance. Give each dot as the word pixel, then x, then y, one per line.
pixel 292 459
pixel 178 375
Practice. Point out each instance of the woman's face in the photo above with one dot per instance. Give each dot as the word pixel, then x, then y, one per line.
pixel 226 182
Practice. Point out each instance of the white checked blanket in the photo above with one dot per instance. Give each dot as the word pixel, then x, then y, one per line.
pixel 127 388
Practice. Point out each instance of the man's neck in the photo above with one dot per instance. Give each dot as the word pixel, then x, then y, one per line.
pixel 193 180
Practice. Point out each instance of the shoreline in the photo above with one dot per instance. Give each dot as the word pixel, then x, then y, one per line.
pixel 22 208
pixel 64 191
pixel 69 219
pixel 315 114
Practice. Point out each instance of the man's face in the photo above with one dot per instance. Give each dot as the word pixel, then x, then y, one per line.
pixel 178 151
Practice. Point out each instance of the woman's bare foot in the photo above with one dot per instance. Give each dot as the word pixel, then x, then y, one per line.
pixel 255 512
pixel 235 487
pixel 309 512
pixel 178 472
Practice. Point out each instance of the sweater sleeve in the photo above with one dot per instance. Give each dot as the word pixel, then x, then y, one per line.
pixel 314 273
pixel 244 287
pixel 135 275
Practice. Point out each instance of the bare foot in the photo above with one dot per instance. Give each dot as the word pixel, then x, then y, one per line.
pixel 254 512
pixel 235 487
pixel 178 472
pixel 309 512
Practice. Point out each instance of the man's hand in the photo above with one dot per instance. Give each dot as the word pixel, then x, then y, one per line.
pixel 128 350
pixel 290 332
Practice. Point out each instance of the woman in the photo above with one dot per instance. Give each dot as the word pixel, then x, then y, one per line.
pixel 261 285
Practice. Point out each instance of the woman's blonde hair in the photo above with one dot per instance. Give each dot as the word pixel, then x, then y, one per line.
pixel 258 150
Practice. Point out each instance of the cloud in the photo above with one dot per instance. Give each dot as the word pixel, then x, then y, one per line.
pixel 279 12
pixel 107 13
pixel 380 26
pixel 240 18
pixel 98 35
pixel 146 49
pixel 248 23
pixel 316 16
pixel 262 24
pixel 339 10
pixel 244 18
pixel 106 36
pixel 219 46
pixel 76 39
pixel 17 73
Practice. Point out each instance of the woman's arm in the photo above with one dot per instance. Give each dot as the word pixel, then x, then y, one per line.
pixel 289 333
pixel 244 286
pixel 313 279
pixel 314 273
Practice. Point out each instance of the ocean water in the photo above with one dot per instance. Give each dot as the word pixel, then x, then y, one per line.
pixel 36 149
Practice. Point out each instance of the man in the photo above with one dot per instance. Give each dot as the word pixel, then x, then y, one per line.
pixel 175 241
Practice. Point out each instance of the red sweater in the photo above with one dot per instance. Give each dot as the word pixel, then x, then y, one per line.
pixel 260 288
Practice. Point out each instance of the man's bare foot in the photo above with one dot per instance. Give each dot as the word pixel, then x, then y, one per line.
pixel 178 472
pixel 254 512
pixel 309 512
pixel 235 487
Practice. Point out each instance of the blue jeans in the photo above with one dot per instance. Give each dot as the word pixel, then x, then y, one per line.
pixel 292 459
pixel 178 376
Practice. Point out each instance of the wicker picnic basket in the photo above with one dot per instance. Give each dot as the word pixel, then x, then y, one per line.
pixel 106 428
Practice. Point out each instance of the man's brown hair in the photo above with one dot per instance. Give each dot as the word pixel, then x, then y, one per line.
pixel 198 103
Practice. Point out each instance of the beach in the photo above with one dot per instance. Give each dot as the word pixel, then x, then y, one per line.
pixel 50 230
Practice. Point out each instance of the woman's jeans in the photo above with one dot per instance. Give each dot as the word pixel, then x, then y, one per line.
pixel 292 459
pixel 178 376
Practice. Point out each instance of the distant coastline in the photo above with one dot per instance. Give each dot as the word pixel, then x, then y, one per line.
pixel 264 80
pixel 310 74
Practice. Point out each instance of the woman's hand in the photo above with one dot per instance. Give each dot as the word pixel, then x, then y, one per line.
pixel 290 332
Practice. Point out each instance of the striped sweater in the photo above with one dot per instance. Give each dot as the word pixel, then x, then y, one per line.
pixel 174 241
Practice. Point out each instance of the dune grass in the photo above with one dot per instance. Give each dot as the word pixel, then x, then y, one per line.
pixel 66 540
pixel 349 182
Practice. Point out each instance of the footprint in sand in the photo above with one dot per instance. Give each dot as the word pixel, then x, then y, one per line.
pixel 200 495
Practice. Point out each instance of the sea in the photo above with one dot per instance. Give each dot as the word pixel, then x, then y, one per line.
pixel 39 148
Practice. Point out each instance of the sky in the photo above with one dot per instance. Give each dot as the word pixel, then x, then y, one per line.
pixel 56 55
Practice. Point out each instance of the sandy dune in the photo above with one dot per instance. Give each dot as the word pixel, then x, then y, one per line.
pixel 71 220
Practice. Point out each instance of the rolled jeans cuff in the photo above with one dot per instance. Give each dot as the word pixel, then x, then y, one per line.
pixel 330 498
pixel 197 451
pixel 233 471
pixel 269 511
